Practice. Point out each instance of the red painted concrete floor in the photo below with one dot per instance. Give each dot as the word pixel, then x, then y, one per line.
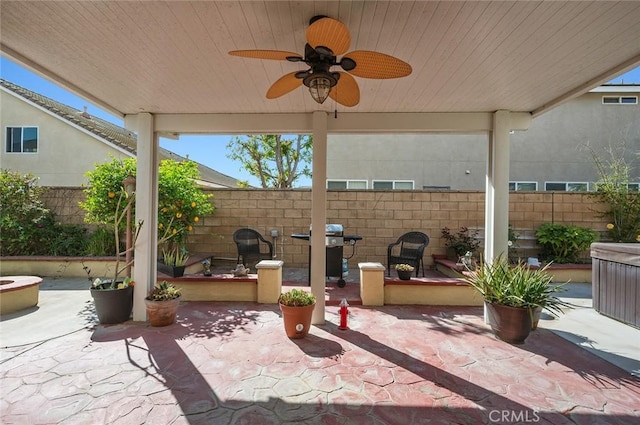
pixel 231 363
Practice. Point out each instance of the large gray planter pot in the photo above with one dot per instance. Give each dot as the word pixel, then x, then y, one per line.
pixel 113 305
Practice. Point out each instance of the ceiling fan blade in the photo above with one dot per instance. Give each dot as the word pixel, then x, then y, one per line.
pixel 346 92
pixel 329 33
pixel 284 85
pixel 264 54
pixel 377 65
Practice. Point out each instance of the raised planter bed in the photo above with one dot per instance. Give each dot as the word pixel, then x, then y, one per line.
pixel 18 293
pixel 430 291
pixel 579 273
pixel 217 287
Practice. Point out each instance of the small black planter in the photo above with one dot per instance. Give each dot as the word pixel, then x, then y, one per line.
pixel 173 271
pixel 404 274
pixel 113 305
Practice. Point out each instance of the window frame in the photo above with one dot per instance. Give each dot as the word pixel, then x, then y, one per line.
pixel 347 184
pixel 516 183
pixel 22 128
pixel 566 186
pixel 393 184
pixel 619 100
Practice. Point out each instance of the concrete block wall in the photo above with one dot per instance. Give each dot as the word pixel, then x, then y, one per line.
pixel 380 217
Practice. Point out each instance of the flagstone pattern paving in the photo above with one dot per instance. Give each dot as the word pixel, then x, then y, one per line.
pixel 231 363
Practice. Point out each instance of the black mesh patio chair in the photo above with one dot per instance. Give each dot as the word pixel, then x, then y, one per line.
pixel 252 246
pixel 408 249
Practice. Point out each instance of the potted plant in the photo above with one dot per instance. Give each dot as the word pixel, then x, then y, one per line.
pixel 458 244
pixel 173 261
pixel 162 303
pixel 404 271
pixel 297 307
pixel 512 294
pixel 113 298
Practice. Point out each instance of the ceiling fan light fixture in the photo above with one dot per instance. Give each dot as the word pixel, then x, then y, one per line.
pixel 320 86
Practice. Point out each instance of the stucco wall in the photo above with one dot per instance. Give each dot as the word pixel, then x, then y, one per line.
pixel 378 216
pixel 552 149
pixel 65 153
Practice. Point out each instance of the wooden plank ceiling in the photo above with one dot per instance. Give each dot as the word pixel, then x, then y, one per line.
pixel 171 57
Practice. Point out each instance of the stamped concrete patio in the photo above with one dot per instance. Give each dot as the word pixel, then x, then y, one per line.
pixel 231 363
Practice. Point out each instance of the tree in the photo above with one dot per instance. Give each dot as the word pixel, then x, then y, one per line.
pixel 274 159
pixel 181 202
pixel 621 198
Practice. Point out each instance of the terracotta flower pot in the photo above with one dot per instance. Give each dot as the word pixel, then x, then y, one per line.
pixel 162 313
pixel 510 324
pixel 297 320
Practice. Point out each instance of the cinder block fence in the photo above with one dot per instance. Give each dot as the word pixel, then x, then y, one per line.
pixel 376 215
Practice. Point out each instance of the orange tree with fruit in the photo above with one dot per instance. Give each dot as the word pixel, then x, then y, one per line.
pixel 181 202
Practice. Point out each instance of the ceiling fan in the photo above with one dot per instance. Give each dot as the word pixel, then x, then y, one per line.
pixel 327 39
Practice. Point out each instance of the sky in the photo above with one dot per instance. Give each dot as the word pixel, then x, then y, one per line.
pixel 207 150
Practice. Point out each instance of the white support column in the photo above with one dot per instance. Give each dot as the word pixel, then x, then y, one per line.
pixel 318 214
pixel 497 188
pixel 145 272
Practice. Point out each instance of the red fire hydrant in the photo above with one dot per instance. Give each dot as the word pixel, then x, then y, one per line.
pixel 344 312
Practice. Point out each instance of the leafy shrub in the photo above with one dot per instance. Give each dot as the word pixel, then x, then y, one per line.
pixel 101 243
pixel 181 203
pixel 462 241
pixel 621 199
pixel 564 243
pixel 27 227
pixel 69 240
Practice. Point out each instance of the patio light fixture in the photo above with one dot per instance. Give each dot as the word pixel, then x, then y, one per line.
pixel 320 84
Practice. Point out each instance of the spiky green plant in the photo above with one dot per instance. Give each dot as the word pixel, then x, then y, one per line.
pixel 516 286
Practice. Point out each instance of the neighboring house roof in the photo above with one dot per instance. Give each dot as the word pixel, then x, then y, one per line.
pixel 617 88
pixel 113 134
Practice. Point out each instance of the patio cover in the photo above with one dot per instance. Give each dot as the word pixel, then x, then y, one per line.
pixel 478 67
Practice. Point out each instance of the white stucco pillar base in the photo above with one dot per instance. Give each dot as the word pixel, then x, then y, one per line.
pixel 269 281
pixel 372 283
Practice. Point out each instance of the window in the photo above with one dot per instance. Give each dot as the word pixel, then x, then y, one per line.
pixel 620 100
pixel 436 187
pixel 21 139
pixel 567 186
pixel 346 184
pixel 393 184
pixel 632 187
pixel 523 186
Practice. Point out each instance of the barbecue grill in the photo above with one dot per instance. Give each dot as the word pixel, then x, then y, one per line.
pixel 335 240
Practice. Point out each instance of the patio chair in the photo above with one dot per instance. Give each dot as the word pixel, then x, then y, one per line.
pixel 408 249
pixel 252 246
